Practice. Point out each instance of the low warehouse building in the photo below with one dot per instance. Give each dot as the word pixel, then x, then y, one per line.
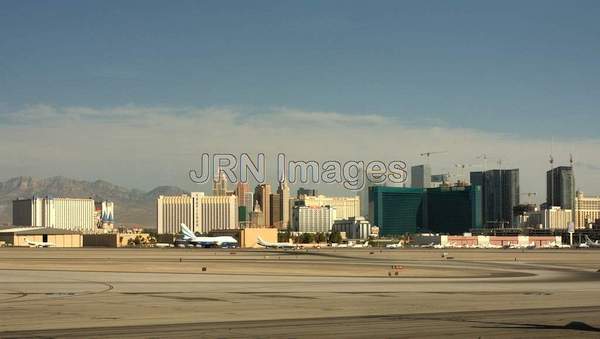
pixel 115 239
pixel 499 241
pixel 30 236
pixel 354 227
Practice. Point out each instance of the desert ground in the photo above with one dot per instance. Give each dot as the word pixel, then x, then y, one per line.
pixel 341 293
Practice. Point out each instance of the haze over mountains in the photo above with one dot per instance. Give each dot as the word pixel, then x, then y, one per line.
pixel 132 206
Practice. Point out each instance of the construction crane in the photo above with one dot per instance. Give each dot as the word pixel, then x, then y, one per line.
pixel 571 160
pixel 483 157
pixel 529 195
pixel 461 171
pixel 428 154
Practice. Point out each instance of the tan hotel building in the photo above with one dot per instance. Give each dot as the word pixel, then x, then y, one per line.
pixel 587 210
pixel 171 211
pixel 345 207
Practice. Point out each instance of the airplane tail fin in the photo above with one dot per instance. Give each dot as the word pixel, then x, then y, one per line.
pixel 186 231
pixel 260 240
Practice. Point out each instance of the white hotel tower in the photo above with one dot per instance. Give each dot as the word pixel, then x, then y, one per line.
pixel 199 212
pixel 65 213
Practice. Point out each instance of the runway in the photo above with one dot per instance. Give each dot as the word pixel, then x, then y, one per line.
pixel 335 293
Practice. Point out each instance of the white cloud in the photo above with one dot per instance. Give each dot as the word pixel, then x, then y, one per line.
pixel 139 146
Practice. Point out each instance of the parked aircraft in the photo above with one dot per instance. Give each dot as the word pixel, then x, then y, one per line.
pixel 162 245
pixel 38 244
pixel 267 244
pixel 398 245
pixel 363 245
pixel 222 241
pixel 554 244
pixel 590 243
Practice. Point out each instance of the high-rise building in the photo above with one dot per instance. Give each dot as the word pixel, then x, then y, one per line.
pixel 65 213
pixel 249 203
pixel 500 194
pixel 214 212
pixel 283 190
pixel 201 213
pixel 172 211
pixel 240 191
pixel 420 176
pixel 453 210
pixel 345 207
pixel 245 198
pixel 312 219
pixel 262 194
pixel 364 196
pixel 450 210
pixel 587 210
pixel 477 178
pixel 243 217
pixel 275 213
pixel 560 187
pixel 396 210
pixel 220 184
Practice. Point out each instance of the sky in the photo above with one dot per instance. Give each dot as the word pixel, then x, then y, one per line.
pixel 134 91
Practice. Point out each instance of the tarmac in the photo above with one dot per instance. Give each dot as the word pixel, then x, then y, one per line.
pixel 342 293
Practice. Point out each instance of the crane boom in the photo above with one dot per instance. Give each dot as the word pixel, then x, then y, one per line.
pixel 428 154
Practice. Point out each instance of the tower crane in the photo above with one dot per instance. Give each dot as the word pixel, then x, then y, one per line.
pixel 483 157
pixel 461 170
pixel 428 154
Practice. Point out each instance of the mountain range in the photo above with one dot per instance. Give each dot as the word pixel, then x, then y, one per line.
pixel 132 206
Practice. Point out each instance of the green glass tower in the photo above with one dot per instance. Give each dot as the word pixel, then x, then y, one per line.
pixel 396 210
pixel 453 210
pixel 447 210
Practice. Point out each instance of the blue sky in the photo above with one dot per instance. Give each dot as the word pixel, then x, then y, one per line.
pixel 522 69
pixel 508 66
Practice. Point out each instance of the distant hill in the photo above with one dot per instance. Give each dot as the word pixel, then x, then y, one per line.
pixel 132 206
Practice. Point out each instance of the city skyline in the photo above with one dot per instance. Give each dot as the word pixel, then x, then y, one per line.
pixel 277 168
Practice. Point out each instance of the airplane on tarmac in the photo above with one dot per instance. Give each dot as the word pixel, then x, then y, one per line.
pixel 191 238
pixel 162 245
pixel 38 244
pixel 267 244
pixel 398 245
pixel 589 243
pixel 363 245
